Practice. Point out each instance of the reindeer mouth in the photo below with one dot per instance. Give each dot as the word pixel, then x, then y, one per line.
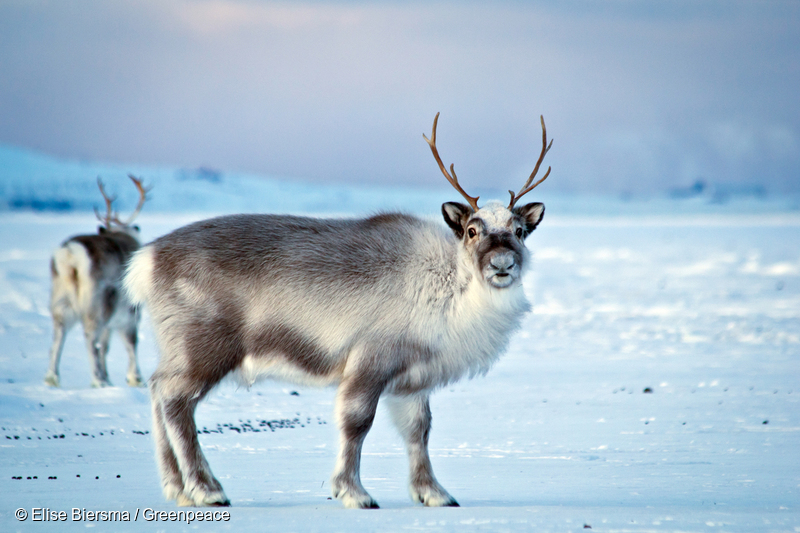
pixel 501 280
pixel 501 268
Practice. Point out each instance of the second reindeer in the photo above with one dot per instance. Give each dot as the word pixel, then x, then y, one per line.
pixel 86 272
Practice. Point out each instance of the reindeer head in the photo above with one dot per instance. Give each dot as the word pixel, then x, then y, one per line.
pixel 111 221
pixel 493 235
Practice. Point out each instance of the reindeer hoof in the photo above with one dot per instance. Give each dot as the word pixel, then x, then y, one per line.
pixel 363 502
pixel 97 384
pixel 185 501
pixel 433 496
pixel 52 380
pixel 226 503
pixel 198 497
pixel 437 501
pixel 354 499
pixel 136 381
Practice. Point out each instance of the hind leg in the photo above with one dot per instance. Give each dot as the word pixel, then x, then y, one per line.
pixel 174 401
pixel 94 333
pixel 129 339
pixel 412 416
pixel 103 340
pixel 64 317
pixel 194 358
pixel 171 480
pixel 61 327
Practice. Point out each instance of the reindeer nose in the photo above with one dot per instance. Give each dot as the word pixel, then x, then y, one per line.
pixel 503 262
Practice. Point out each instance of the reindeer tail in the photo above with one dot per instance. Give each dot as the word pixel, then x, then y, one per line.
pixel 138 280
pixel 71 272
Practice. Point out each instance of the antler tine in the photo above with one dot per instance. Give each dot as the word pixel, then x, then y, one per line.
pixel 142 199
pixel 528 187
pixel 109 213
pixel 473 201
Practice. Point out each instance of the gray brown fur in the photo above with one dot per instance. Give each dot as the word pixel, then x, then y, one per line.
pixel 86 274
pixel 389 306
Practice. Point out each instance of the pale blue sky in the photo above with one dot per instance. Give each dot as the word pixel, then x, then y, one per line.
pixel 639 96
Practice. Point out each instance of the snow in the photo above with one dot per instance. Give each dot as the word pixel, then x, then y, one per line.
pixel 654 387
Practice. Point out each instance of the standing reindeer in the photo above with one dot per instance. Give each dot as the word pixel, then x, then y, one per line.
pixel 390 306
pixel 86 272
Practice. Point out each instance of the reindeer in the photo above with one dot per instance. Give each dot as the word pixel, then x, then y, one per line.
pixel 391 306
pixel 86 272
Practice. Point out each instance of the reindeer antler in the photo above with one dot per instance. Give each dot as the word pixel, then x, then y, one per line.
pixel 110 217
pixel 142 199
pixel 528 187
pixel 473 201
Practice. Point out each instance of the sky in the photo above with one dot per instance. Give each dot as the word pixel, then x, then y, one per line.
pixel 639 97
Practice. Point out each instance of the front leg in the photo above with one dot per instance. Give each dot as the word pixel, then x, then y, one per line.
pixel 412 416
pixel 356 402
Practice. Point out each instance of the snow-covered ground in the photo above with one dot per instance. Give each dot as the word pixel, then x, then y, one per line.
pixel 562 435
pixel 655 386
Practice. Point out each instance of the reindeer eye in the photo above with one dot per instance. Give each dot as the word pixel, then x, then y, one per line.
pixel 519 233
pixel 471 233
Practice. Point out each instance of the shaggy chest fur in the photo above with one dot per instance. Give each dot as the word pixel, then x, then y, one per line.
pixel 466 341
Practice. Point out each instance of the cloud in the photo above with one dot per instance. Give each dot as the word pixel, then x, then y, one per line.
pixel 228 18
pixel 638 96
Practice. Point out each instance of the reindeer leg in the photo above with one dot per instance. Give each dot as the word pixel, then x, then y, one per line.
pixel 171 480
pixel 178 396
pixel 61 327
pixel 412 416
pixel 191 365
pixel 130 339
pixel 356 403
pixel 200 487
pixel 103 340
pixel 93 332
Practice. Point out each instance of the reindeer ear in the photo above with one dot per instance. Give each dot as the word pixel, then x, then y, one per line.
pixel 532 214
pixel 101 229
pixel 456 215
